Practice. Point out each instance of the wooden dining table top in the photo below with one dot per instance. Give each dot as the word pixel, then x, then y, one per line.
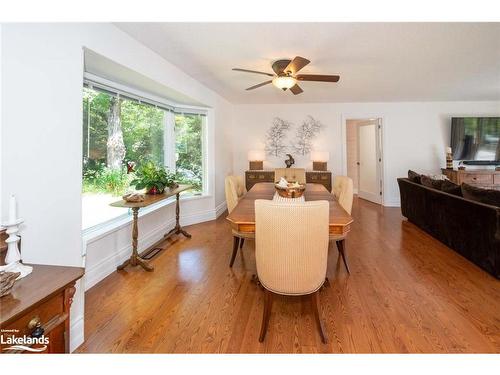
pixel 242 218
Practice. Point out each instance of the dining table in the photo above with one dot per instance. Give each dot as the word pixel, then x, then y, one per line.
pixel 242 218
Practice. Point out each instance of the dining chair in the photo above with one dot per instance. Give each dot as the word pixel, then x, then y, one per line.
pixel 291 252
pixel 235 190
pixel 290 174
pixel 343 192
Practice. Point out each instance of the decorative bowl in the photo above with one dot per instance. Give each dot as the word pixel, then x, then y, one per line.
pixel 133 197
pixel 292 191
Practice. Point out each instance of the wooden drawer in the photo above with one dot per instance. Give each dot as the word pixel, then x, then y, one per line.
pixel 473 178
pixel 323 178
pixel 46 311
pixel 254 177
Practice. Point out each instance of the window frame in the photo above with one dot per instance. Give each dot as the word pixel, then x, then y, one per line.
pixel 171 109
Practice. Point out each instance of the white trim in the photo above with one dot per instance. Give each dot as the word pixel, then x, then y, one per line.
pixel 77 315
pixel 169 140
pixel 343 134
pixel 77 334
pixel 392 203
pixel 127 90
pixel 220 209
pixel 99 231
pixel 108 265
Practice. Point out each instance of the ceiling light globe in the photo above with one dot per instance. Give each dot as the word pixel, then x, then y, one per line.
pixel 284 82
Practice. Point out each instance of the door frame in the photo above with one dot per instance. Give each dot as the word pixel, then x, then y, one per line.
pixel 343 131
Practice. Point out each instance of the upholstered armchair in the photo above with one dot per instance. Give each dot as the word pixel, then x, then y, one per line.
pixel 235 190
pixel 291 252
pixel 343 190
pixel 290 174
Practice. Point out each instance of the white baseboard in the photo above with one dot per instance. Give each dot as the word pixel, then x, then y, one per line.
pixel 76 334
pixel 392 203
pixel 220 209
pixel 108 265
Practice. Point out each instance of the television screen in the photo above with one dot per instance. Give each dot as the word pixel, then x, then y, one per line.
pixel 475 138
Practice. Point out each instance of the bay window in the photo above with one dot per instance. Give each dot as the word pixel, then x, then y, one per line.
pixel 120 131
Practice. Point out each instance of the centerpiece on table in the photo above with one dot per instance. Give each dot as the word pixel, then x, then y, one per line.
pixel 289 189
pixel 155 178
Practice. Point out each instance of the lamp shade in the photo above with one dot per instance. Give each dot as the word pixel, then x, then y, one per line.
pixel 322 156
pixel 284 82
pixel 256 155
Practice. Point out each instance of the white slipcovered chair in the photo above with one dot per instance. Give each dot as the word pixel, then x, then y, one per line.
pixel 343 192
pixel 235 190
pixel 291 252
pixel 291 174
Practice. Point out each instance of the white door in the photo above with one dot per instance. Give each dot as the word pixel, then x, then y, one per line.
pixel 369 161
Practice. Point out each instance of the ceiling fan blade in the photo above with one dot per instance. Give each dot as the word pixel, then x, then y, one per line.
pixel 318 77
pixel 296 64
pixel 296 89
pixel 253 71
pixel 259 85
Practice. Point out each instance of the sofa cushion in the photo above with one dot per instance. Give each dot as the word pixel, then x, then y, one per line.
pixel 430 182
pixel 451 188
pixel 487 196
pixel 413 176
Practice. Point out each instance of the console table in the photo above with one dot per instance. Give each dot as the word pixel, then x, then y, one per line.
pixel 39 306
pixel 312 177
pixel 481 177
pixel 136 258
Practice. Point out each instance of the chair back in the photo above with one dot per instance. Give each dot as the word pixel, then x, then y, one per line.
pixel 291 245
pixel 235 189
pixel 343 190
pixel 290 174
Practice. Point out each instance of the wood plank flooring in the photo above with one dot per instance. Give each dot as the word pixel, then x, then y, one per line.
pixel 407 293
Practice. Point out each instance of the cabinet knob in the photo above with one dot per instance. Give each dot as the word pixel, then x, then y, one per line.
pixel 35 325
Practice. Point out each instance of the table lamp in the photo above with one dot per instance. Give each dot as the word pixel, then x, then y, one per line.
pixel 319 159
pixel 256 159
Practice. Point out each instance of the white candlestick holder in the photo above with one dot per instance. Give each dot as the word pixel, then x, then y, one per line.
pixel 13 257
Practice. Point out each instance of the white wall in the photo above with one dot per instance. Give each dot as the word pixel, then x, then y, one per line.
pixel 42 66
pixel 415 134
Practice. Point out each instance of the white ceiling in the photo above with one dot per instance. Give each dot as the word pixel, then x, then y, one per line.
pixel 376 61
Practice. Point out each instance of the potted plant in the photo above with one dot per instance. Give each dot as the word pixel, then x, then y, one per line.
pixel 154 178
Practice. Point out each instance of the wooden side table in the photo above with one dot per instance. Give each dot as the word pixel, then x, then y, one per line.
pixel 38 306
pixel 135 258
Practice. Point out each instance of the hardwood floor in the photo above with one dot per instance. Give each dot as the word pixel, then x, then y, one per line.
pixel 407 293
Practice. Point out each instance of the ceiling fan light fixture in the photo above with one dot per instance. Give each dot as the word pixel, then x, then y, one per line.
pixel 284 82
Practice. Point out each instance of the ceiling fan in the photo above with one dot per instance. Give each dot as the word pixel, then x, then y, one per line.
pixel 286 76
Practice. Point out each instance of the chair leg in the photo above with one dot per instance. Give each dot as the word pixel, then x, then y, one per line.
pixel 268 303
pixel 341 247
pixel 316 310
pixel 241 242
pixel 236 241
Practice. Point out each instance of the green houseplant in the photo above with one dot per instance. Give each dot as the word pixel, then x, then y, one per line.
pixel 154 178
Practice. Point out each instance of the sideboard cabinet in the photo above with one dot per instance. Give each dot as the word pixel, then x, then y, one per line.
pixel 313 177
pixel 479 177
pixel 39 306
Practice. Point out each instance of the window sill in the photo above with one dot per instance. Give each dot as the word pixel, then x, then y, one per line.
pixel 98 231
